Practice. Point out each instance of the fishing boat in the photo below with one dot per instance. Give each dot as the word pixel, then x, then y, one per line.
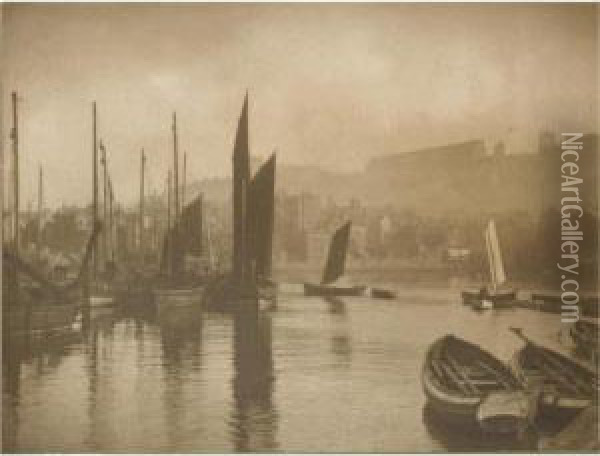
pixel 563 385
pixel 496 294
pixel 585 335
pixel 249 283
pixel 466 384
pixel 33 303
pixel 333 283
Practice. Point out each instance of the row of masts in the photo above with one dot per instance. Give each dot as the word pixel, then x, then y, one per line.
pixel 175 192
pixel 172 183
pixel 108 201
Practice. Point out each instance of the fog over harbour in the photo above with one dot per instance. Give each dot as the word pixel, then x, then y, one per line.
pixel 326 81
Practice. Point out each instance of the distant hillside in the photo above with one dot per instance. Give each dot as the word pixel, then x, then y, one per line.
pixel 450 178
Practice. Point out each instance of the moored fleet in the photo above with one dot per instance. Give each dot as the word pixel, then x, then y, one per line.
pixel 461 381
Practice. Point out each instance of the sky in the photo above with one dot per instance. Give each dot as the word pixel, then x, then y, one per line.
pixel 331 85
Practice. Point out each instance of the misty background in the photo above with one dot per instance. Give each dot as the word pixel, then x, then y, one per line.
pixel 330 85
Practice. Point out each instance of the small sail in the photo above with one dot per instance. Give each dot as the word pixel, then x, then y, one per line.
pixel 261 214
pixel 494 255
pixel 336 258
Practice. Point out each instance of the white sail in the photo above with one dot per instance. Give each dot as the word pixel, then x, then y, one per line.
pixel 494 255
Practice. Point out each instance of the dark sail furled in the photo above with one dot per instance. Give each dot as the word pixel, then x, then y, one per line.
pixel 261 211
pixel 190 227
pixel 241 179
pixel 336 258
pixel 185 237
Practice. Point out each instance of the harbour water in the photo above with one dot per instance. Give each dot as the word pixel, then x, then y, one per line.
pixel 314 375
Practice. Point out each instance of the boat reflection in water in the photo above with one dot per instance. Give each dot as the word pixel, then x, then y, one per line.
pixel 457 438
pixel 254 419
pixel 32 355
pixel 181 347
pixel 182 380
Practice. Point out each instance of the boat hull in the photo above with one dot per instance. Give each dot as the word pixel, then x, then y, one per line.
pixel 331 290
pixel 178 296
pixel 459 408
pixel 499 299
pixel 554 401
pixel 41 318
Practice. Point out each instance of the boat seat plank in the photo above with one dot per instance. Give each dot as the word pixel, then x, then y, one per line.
pixel 555 365
pixel 497 375
pixel 455 380
pixel 461 374
pixel 556 377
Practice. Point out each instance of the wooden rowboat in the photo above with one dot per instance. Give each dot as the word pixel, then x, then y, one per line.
pixel 564 386
pixel 466 384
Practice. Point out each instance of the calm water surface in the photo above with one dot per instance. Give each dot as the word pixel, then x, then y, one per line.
pixel 314 375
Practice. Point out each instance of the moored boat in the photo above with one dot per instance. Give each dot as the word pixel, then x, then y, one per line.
pixel 333 290
pixel 381 293
pixel 464 383
pixel 495 295
pixel 489 298
pixel 333 283
pixel 40 318
pixel 563 385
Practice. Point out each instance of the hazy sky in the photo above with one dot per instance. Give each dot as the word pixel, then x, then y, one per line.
pixel 329 84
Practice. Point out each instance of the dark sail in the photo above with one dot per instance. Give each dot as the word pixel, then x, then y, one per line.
pixel 261 213
pixel 184 237
pixel 336 258
pixel 241 178
pixel 190 227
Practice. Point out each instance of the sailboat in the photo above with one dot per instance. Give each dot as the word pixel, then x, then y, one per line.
pixel 333 283
pixel 495 294
pixel 253 208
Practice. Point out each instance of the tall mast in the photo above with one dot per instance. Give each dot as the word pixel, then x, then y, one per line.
pixel 169 237
pixel 169 201
pixel 110 220
pixel 142 171
pixel 175 167
pixel 15 143
pixel 94 187
pixel 39 210
pixel 104 204
pixel 184 179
